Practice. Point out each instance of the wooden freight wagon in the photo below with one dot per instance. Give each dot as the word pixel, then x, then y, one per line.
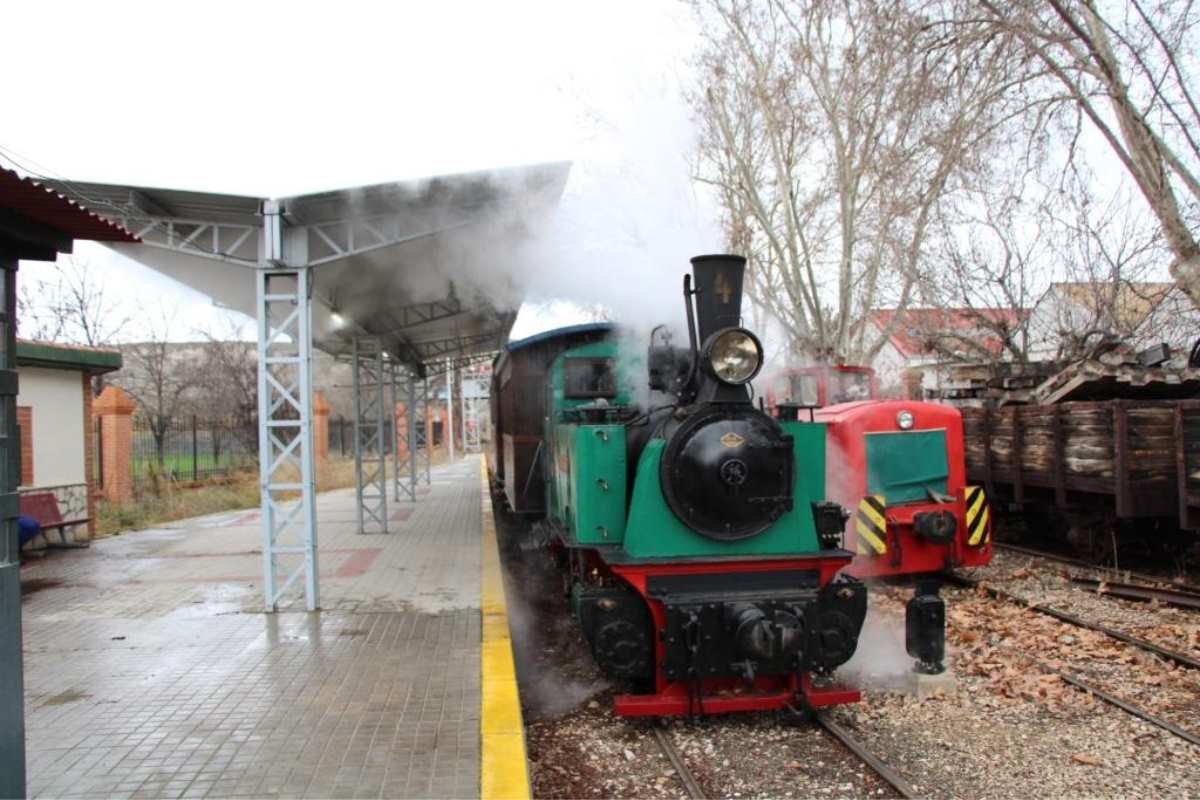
pixel 1131 458
pixel 518 409
pixel 1187 462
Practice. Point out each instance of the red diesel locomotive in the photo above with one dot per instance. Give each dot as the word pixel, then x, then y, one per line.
pixel 900 465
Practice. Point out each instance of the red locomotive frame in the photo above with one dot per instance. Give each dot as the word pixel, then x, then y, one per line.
pixel 719 695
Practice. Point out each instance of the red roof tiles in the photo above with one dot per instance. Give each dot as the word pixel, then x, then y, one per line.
pixel 37 203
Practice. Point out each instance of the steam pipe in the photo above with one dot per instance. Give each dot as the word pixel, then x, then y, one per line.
pixel 691 319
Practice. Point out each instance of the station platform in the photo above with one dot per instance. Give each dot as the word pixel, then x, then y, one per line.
pixel 151 669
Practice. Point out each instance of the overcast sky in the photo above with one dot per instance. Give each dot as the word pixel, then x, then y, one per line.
pixel 274 99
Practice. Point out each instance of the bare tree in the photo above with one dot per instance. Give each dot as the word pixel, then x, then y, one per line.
pixel 35 319
pixel 1107 254
pixel 989 257
pixel 1125 68
pixel 1043 271
pixel 229 377
pixel 73 305
pixel 832 131
pixel 156 380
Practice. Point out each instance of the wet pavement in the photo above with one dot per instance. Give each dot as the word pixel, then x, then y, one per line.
pixel 151 670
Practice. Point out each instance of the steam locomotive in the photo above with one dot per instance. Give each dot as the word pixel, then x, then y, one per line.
pixel 703 555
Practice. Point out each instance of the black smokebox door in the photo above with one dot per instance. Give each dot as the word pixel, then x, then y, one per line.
pixel 718 292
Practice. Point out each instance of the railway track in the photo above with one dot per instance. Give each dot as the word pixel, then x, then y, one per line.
pixel 1113 700
pixel 891 776
pixel 1078 621
pixel 1136 591
pixel 1150 647
pixel 690 785
pixel 1080 683
pixel 881 768
pixel 1182 586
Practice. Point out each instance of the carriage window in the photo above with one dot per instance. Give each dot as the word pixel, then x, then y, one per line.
pixel 804 390
pixel 589 377
pixel 852 386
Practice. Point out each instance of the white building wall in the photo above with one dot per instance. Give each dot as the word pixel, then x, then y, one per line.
pixel 1175 320
pixel 56 397
pixel 889 365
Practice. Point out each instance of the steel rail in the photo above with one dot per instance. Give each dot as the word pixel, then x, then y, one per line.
pixel 890 775
pixel 1077 562
pixel 1111 699
pixel 1136 591
pixel 1080 683
pixel 1150 647
pixel 685 775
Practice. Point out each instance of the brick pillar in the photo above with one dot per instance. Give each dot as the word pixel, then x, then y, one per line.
pixel 89 455
pixel 401 415
pixel 444 416
pixel 320 432
pixel 115 410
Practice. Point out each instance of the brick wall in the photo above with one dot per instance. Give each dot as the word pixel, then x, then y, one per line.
pixel 25 423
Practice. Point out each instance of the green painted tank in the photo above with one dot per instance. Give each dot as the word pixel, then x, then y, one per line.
pixel 598 501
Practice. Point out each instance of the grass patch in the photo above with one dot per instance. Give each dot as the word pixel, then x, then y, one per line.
pixel 163 500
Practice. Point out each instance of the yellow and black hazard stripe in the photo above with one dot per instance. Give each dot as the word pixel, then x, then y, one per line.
pixel 978 516
pixel 871 525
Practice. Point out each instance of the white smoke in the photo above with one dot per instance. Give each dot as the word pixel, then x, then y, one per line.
pixel 881 661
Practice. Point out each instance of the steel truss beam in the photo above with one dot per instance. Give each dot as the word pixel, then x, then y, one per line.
pixel 451 346
pixel 330 241
pixel 221 241
pixel 370 437
pixel 421 313
pixel 285 427
pixel 461 362
pixel 236 243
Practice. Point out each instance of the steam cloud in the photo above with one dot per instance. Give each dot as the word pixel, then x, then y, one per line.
pixel 880 662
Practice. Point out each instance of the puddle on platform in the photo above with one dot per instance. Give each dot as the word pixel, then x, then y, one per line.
pixel 62 698
pixel 219 599
pixel 35 585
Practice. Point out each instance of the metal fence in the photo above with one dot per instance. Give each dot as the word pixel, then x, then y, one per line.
pixel 193 448
pixel 341 435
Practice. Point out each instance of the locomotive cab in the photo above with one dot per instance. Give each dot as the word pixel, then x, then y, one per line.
pixel 821 385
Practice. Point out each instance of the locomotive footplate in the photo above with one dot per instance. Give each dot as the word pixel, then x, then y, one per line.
pixel 740 625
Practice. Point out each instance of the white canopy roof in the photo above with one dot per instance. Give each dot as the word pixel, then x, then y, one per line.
pixel 429 266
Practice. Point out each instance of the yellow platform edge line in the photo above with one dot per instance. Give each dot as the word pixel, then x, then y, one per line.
pixel 503 763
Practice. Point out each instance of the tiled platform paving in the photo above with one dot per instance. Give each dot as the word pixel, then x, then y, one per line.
pixel 151 670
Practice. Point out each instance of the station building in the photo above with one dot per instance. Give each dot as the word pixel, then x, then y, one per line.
pixel 58 479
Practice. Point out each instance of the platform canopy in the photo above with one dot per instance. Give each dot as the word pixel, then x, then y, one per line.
pixel 405 261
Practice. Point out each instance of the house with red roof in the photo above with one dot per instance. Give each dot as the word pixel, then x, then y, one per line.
pixel 920 339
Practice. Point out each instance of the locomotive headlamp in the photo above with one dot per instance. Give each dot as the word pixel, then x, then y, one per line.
pixel 734 355
pixel 904 420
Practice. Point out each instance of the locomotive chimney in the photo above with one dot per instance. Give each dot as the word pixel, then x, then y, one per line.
pixel 718 292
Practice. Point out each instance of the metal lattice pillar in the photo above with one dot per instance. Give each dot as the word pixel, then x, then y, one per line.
pixel 285 421
pixel 370 452
pixel 411 434
pixel 449 432
pixel 473 434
